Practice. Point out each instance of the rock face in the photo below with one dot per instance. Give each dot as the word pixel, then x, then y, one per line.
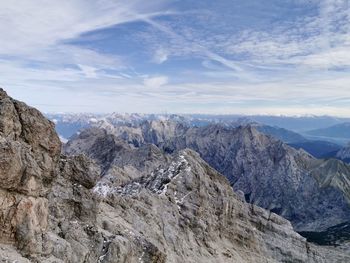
pixel 275 176
pixel 190 213
pixel 55 208
pixel 110 151
pixel 29 153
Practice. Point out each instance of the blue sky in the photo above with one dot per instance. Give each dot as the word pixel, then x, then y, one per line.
pixel 288 57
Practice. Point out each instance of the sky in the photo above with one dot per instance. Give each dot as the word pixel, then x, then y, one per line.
pixel 276 57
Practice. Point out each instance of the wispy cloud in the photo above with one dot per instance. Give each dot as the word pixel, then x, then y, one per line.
pixel 180 56
pixel 320 41
pixel 39 32
pixel 155 82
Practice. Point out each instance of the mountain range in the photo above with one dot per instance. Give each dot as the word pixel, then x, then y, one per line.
pixel 133 201
pixel 271 174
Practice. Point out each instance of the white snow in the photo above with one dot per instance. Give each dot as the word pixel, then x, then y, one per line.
pixel 102 189
pixel 62 139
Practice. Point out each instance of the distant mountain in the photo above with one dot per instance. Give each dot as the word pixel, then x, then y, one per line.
pixel 344 154
pixel 341 131
pixel 68 124
pixel 294 123
pixel 282 134
pixel 300 123
pixel 319 149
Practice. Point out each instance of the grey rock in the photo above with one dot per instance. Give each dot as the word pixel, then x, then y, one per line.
pixel 273 175
pixel 29 152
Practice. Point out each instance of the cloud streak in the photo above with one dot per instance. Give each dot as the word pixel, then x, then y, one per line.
pixel 178 56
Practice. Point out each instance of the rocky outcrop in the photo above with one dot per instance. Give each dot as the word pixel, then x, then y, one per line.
pixel 188 211
pixel 29 152
pixel 110 151
pixel 145 132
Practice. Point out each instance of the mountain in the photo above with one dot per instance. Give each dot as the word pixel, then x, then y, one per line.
pixel 57 208
pixel 299 123
pixel 319 149
pixel 344 154
pixel 110 152
pixel 67 124
pixel 284 135
pixel 339 131
pixel 269 173
pixel 294 123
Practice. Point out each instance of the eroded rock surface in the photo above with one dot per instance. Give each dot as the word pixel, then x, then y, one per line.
pixel 29 152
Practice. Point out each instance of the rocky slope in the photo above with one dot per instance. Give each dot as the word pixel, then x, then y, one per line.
pixel 344 154
pixel 313 194
pixel 273 175
pixel 56 208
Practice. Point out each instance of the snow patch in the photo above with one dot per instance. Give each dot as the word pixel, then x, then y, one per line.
pixel 102 189
pixel 157 182
pixel 62 139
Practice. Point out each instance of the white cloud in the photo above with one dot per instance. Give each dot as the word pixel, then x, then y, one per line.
pixel 290 68
pixel 191 46
pixel 26 25
pixel 160 56
pixel 321 41
pixel 155 82
pixel 89 72
pixel 37 32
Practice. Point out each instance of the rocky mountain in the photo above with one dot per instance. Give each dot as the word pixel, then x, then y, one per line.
pixel 273 175
pixel 339 131
pixel 299 123
pixel 344 154
pixel 284 135
pixel 68 124
pixel 311 193
pixel 56 208
pixel 319 149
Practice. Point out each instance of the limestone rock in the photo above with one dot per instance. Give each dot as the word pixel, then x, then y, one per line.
pixel 29 152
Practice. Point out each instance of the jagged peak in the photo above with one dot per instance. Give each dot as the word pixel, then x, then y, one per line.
pixel 156 182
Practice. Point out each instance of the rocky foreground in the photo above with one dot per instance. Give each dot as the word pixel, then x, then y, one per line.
pixel 153 208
